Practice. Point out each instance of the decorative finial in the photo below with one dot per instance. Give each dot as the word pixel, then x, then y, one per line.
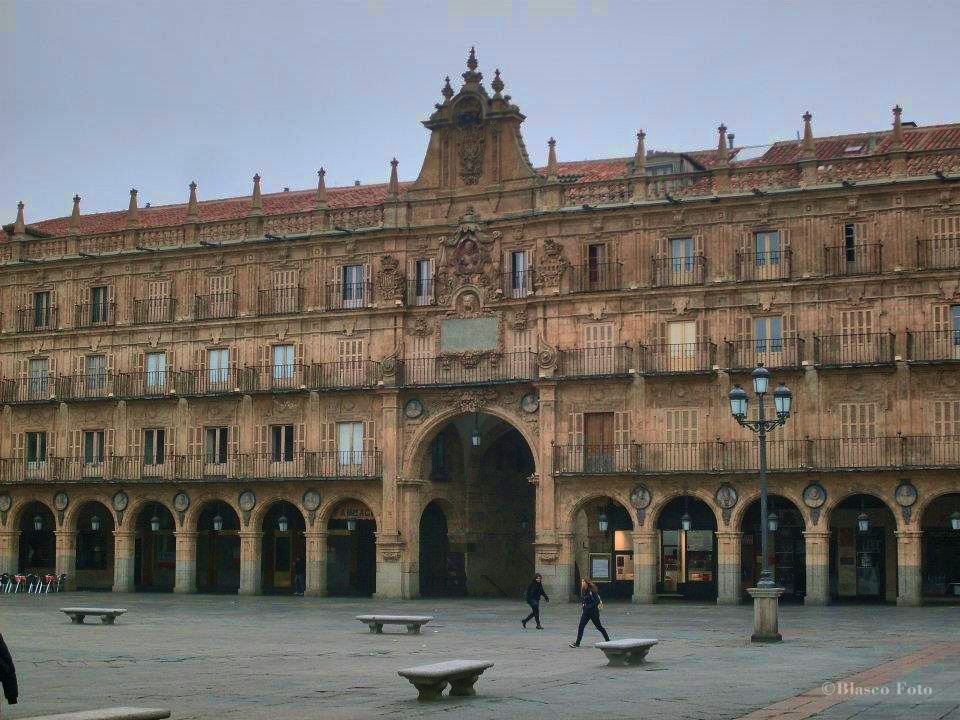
pixel 394 188
pixel 75 216
pixel 497 84
pixel 723 157
pixel 193 208
pixel 552 173
pixel 321 189
pixel 472 59
pixel 133 211
pixel 256 202
pixel 808 151
pixel 471 76
pixel 640 157
pixel 446 91
pixel 897 140
pixel 20 227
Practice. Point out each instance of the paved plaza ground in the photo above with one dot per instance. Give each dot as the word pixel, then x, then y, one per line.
pixel 293 658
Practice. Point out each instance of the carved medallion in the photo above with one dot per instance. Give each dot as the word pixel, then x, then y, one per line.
pixel 311 500
pixel 413 409
pixel 60 501
pixel 120 501
pixel 530 403
pixel 905 494
pixel 6 502
pixel 247 500
pixel 726 496
pixel 470 139
pixel 181 501
pixel 814 495
pixel 640 497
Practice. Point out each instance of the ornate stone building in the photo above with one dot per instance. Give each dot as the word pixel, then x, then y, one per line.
pixel 438 387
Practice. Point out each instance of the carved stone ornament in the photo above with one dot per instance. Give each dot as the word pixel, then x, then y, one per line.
pixel 181 501
pixel 60 501
pixel 6 502
pixel 547 356
pixel 467 401
pixel 814 495
pixel 726 496
pixel 520 321
pixel 413 409
pixel 551 267
pixel 530 403
pixel 247 500
pixel 905 495
pixel 470 140
pixel 120 501
pixel 311 500
pixel 640 497
pixel 390 280
pixel 422 327
pixel 466 259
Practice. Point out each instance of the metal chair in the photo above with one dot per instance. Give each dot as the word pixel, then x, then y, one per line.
pixel 61 583
pixel 4 581
pixel 18 582
pixel 33 583
pixel 48 580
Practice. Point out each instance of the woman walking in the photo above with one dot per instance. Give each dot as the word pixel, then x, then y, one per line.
pixel 534 593
pixel 591 610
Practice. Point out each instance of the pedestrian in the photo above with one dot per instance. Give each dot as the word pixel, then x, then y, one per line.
pixel 535 591
pixel 299 569
pixel 591 604
pixel 8 676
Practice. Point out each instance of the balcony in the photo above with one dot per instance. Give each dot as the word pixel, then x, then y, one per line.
pixel 595 362
pixel 853 349
pixel 136 469
pixel 331 464
pixel 316 376
pixel 22 470
pixel 40 388
pixel 280 301
pixel 220 381
pixel 469 370
pixel 101 314
pixel 678 358
pixel 596 277
pixel 87 386
pixel 938 254
pixel 679 271
pixel 769 265
pixel 154 310
pixel 596 459
pixel 37 318
pixel 150 384
pixel 420 293
pixel 518 284
pixel 931 346
pixel 897 452
pixel 348 296
pixel 217 306
pixel 853 259
pixel 782 353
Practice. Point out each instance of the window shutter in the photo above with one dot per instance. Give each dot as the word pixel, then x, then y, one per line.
pixel 135 443
pixel 19 444
pixel 51 444
pixel 784 238
pixel 75 443
pixel 941 318
pixel 262 440
pixel 80 365
pixel 329 436
pixel 745 328
pixel 298 354
pixel 369 436
pixel 790 325
pixel 234 443
pixel 23 368
pixel 300 438
pixel 265 359
pixel 138 362
pixel 201 358
pixel 698 245
pixel 621 428
pixel 109 438
pixel 575 429
pixel 367 289
pixel 195 442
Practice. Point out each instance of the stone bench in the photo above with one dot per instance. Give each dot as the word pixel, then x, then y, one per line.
pixel 116 713
pixel 430 680
pixel 107 615
pixel 413 622
pixel 629 651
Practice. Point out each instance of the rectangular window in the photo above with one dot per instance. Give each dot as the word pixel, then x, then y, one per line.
pixel 154 446
pixel 350 443
pixel 36 447
pixel 41 309
pixel 519 273
pixel 95 370
pixel 218 366
pixel 424 282
pixel 155 364
pixel 955 318
pixel 850 242
pixel 768 334
pixel 215 449
pixel 598 438
pixel 39 378
pixel 946 419
pixel 858 420
pixel 767 245
pixel 681 345
pixel 93 447
pixel 352 286
pixel 99 305
pixel 281 443
pixel 683 426
pixel 597 269
pixel 282 362
pixel 681 254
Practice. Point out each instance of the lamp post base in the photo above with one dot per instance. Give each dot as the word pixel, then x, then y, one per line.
pixel 766 604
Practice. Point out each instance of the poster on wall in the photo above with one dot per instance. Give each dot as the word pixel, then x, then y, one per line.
pixel 600 567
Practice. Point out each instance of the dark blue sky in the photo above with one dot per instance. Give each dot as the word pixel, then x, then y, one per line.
pixel 99 97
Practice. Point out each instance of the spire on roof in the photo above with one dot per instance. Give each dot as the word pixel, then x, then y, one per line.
pixel 193 209
pixel 723 155
pixel 75 216
pixel 321 189
pixel 497 85
pixel 897 140
pixel 19 227
pixel 393 191
pixel 471 76
pixel 808 150
pixel 446 90
pixel 552 173
pixel 640 157
pixel 256 201
pixel 133 211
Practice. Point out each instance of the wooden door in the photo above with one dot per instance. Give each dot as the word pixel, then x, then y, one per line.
pixel 598 438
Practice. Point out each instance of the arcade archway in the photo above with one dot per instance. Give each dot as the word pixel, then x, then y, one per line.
pixel 38 541
pixel 603 547
pixel 863 551
pixel 95 547
pixel 787 551
pixel 284 547
pixel 941 550
pixel 352 550
pixel 218 548
pixel 155 549
pixel 479 541
pixel 688 550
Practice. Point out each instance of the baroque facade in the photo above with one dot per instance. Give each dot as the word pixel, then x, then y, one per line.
pixel 440 386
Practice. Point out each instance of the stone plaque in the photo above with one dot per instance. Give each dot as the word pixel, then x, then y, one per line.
pixel 469 334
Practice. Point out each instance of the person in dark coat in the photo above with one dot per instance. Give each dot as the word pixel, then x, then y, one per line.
pixel 590 602
pixel 299 569
pixel 8 676
pixel 535 591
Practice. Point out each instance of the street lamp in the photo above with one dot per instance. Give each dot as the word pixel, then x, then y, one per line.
pixel 218 522
pixel 955 521
pixel 351 524
pixel 38 523
pixel 282 523
pixel 475 438
pixel 773 522
pixel 686 522
pixel 603 522
pixel 782 399
pixel 95 523
pixel 155 523
pixel 863 522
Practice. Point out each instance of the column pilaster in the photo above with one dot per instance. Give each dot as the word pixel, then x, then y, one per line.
pixel 562 581
pixel 728 567
pixel 645 562
pixel 909 586
pixel 251 545
pixel 186 570
pixel 67 556
pixel 316 562
pixel 123 553
pixel 9 551
pixel 818 567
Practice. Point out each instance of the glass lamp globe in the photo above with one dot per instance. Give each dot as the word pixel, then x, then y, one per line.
pixel 738 402
pixel 282 523
pixel 155 523
pixel 38 523
pixel 95 523
pixel 863 522
pixel 773 522
pixel 782 399
pixel 603 522
pixel 685 522
pixel 218 522
pixel 955 521
pixel 761 379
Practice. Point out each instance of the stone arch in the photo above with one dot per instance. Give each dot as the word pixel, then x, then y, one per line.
pixel 419 444
pixel 454 517
pixel 325 511
pixel 833 503
pixel 16 512
pixel 192 515
pixel 137 505
pixel 926 501
pixel 568 514
pixel 262 508
pixel 745 501
pixel 660 502
pixel 72 513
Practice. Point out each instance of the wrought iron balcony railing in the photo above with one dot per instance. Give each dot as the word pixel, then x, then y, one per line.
pixel 329 464
pixel 596 277
pixel 467 370
pixel 149 384
pixel 595 362
pixel 94 385
pixel 672 358
pixel 348 296
pixel 421 292
pixel 280 301
pixel 596 459
pixel 154 310
pixel 678 271
pixel 853 259
pixel 37 318
pixel 23 470
pixel 766 265
pixel 774 353
pixel 929 346
pixel 343 374
pixel 853 349
pixel 214 381
pixel 217 306
pixel 938 253
pixel 99 314
pixel 40 388
pixel 517 284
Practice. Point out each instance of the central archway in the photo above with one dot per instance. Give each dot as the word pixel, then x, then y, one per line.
pixel 476 525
